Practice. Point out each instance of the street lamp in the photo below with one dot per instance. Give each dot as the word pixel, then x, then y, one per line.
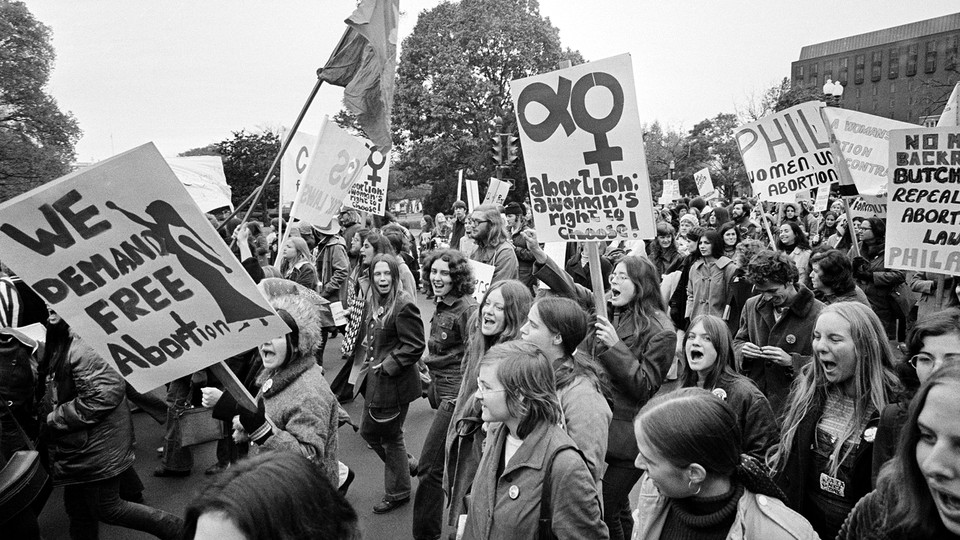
pixel 833 92
pixel 671 166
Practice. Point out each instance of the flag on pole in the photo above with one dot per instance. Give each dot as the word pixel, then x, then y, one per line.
pixel 364 64
pixel 951 111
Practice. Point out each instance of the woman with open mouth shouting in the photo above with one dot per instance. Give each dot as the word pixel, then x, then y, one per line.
pixel 918 494
pixel 825 455
pixel 636 347
pixel 708 348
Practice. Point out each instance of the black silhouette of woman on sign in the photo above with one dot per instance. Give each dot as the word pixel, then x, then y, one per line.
pixel 183 242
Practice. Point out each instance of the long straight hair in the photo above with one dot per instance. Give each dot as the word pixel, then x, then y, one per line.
pixel 874 383
pixel 385 302
pixel 719 334
pixel 647 300
pixel 516 305
pixel 302 254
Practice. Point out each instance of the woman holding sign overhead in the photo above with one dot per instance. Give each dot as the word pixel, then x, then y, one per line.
pixel 636 346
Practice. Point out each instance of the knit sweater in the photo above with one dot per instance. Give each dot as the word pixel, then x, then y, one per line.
pixel 706 518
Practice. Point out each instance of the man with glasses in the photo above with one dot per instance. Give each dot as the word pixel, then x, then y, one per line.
pixel 489 232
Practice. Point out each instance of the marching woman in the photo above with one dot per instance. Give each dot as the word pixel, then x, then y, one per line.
pixel 730 234
pixel 296 263
pixel 793 241
pixel 557 325
pixel 502 313
pixel 696 485
pixel 389 379
pixel 710 277
pixel 709 351
pixel 447 272
pixel 532 482
pixel 635 346
pixel 883 286
pixel 918 491
pixel 823 461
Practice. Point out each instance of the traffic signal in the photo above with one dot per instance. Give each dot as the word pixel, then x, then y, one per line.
pixel 497 149
pixel 512 150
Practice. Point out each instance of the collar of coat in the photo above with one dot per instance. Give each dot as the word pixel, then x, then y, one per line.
pixel 285 374
pixel 801 305
pixel 533 452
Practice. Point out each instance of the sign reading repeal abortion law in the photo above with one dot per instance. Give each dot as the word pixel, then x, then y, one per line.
pixel 583 149
pixel 121 252
pixel 923 200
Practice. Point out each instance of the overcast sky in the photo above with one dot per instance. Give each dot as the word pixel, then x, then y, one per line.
pixel 186 73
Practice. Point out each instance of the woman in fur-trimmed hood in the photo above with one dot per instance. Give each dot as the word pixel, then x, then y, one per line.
pixel 297 410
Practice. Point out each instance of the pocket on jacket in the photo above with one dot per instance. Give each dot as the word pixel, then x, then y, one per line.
pixel 73 441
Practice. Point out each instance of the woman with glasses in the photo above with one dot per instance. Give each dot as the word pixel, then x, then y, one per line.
pixel 824 461
pixel 503 312
pixel 532 482
pixel 918 494
pixel 883 286
pixel 636 346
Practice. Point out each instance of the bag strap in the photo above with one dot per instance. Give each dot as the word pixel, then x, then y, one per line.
pixel 545 523
pixel 23 433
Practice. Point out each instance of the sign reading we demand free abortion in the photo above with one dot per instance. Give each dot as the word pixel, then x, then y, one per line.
pixel 122 253
pixel 583 149
pixel 923 200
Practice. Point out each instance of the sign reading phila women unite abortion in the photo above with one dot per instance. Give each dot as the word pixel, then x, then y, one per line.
pixel 122 253
pixel 583 149
pixel 923 200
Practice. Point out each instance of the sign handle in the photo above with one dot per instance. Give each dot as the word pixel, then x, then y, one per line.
pixel 232 384
pixel 596 278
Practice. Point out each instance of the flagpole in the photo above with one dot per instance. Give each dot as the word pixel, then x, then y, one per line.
pixel 283 148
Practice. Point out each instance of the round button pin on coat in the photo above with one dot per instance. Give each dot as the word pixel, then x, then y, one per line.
pixel 514 492
pixel 791 339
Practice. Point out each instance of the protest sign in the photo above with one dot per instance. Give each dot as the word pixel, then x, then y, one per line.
pixel 337 162
pixel 670 192
pixel 473 194
pixel 557 252
pixel 497 191
pixel 823 198
pixel 293 165
pixel 866 206
pixel 705 184
pixel 787 152
pixel 865 144
pixel 121 252
pixel 482 276
pixel 204 179
pixel 923 200
pixel 583 149
pixel 951 111
pixel 369 192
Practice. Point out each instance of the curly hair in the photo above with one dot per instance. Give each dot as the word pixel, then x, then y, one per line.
pixel 836 269
pixel 461 277
pixel 772 266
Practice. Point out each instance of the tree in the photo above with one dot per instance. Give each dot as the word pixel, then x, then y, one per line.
pixel 712 145
pixel 36 139
pixel 453 81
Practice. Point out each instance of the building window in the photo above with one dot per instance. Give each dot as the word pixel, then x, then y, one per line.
pixel 828 70
pixel 893 88
pixel 814 73
pixel 951 53
pixel 893 69
pixel 912 60
pixel 798 75
pixel 843 70
pixel 858 93
pixel 876 62
pixel 930 60
pixel 873 90
pixel 893 103
pixel 858 69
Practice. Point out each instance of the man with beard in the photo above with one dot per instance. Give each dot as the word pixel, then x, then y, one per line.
pixel 457 228
pixel 493 245
pixel 774 342
pixel 740 213
pixel 516 224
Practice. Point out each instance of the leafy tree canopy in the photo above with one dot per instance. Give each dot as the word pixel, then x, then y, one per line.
pixel 247 156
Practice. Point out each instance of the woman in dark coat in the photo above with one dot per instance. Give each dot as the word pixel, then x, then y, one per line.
pixel 881 284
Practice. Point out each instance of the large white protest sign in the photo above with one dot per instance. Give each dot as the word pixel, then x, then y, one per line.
pixel 337 161
pixel 923 200
pixel 670 191
pixel 204 179
pixel 865 144
pixel 787 152
pixel 823 198
pixel 497 191
pixel 583 150
pixel 473 194
pixel 121 252
pixel 369 192
pixel 705 184
pixel 557 252
pixel 293 165
pixel 482 276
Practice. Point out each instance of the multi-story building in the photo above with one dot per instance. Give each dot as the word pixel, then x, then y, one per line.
pixel 906 72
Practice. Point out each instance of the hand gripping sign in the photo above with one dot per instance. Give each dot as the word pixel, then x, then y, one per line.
pixel 583 149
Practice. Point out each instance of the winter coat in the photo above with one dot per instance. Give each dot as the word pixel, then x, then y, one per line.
pixel 502 257
pixel 758 426
pixel 741 290
pixel 792 333
pixel 636 364
pixel 801 258
pixel 508 505
pixel 881 287
pixel 397 344
pixel 758 517
pixel 333 266
pixel 868 521
pixel 303 273
pixel 90 428
pixel 586 419
pixel 708 287
pixel 854 295
pixel 935 290
pixel 299 402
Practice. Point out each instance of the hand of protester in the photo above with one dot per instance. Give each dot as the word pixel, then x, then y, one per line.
pixel 538 253
pixel 861 269
pixel 606 332
pixel 211 396
pixel 751 350
pixel 239 434
pixel 242 233
pixel 252 421
pixel 777 355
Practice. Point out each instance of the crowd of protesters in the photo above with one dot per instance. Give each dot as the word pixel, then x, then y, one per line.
pixel 756 372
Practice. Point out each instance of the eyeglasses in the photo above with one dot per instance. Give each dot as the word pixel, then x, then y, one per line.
pixel 483 393
pixel 925 362
pixel 475 221
pixel 616 278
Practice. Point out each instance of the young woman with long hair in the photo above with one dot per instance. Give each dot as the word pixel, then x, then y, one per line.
pixel 793 241
pixel 730 234
pixel 696 484
pixel 882 285
pixel 558 325
pixel 529 460
pixel 823 461
pixel 502 313
pixel 919 489
pixel 636 346
pixel 708 347
pixel 708 285
pixel 663 250
pixel 389 379
pixel 296 263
